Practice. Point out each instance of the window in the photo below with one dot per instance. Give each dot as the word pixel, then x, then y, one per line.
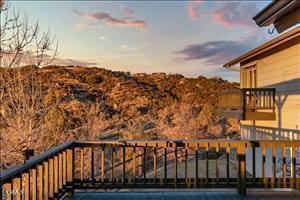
pixel 248 77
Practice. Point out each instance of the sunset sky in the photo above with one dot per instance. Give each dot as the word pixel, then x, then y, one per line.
pixel 191 38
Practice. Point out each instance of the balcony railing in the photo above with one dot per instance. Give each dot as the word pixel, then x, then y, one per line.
pixel 82 165
pixel 248 103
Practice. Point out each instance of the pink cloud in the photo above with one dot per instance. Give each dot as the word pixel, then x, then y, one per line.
pixel 129 21
pixel 235 14
pixel 193 7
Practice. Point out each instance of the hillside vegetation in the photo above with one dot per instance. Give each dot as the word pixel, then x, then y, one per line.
pixel 94 103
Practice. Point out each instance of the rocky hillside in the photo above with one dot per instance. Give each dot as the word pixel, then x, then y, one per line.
pixel 42 107
pixel 136 106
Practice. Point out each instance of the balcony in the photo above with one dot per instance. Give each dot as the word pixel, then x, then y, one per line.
pixel 248 104
pixel 83 165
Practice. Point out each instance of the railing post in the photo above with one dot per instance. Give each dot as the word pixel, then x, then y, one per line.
pixel 241 169
pixel 70 170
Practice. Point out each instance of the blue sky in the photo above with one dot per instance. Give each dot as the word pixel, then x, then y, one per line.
pixel 192 38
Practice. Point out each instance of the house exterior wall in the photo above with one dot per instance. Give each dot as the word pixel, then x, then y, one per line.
pixel 280 69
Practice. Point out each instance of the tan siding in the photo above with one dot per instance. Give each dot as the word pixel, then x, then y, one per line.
pixel 282 71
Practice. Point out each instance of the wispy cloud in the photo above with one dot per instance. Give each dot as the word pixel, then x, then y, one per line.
pixel 86 26
pixel 233 14
pixel 227 14
pixel 193 9
pixel 128 21
pixel 220 51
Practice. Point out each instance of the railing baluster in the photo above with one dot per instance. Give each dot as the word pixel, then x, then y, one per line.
pixel 103 164
pixel 197 166
pixel 41 184
pixel 34 183
pixel 254 145
pixel 46 180
pixel 284 166
pixel 175 166
pixel 165 165
pixel 51 178
pixel 263 149
pixel 70 170
pixel 55 175
pixel 155 164
pixel 217 162
pixel 144 165
pixel 60 172
pixel 273 165
pixel 241 168
pixel 64 168
pixel 293 165
pixel 186 166
pixel 124 163
pixel 227 163
pixel 27 186
pixel 207 162
pixel 17 187
pixel 294 162
pixel 82 164
pixel 92 164
pixel 134 164
pixel 112 165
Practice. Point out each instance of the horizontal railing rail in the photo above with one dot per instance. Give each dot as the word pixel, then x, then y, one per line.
pixel 81 165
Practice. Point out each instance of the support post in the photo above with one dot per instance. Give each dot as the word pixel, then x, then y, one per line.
pixel 241 168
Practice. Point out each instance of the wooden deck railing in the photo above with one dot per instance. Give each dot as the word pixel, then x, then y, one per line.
pixel 249 101
pixel 82 165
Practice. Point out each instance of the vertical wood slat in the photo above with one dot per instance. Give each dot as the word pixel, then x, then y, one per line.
pixel 186 166
pixel 64 168
pixel 112 165
pixel 26 186
pixel 284 166
pixel 41 184
pixel 103 164
pixel 273 165
pixel 55 175
pixel 34 183
pixel 144 164
pixel 155 163
pixel 165 165
pixel 175 166
pixel 70 169
pixel 254 162
pixel 17 187
pixel 123 163
pixel 217 163
pixel 241 168
pixel 92 164
pixel 197 166
pixel 81 164
pixel 6 191
pixel 134 164
pixel 227 163
pixel 293 166
pixel 60 170
pixel 263 150
pixel 206 162
pixel 46 180
pixel 140 161
pixel 51 178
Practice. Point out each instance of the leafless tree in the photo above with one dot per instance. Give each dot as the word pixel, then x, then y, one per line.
pixel 22 105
